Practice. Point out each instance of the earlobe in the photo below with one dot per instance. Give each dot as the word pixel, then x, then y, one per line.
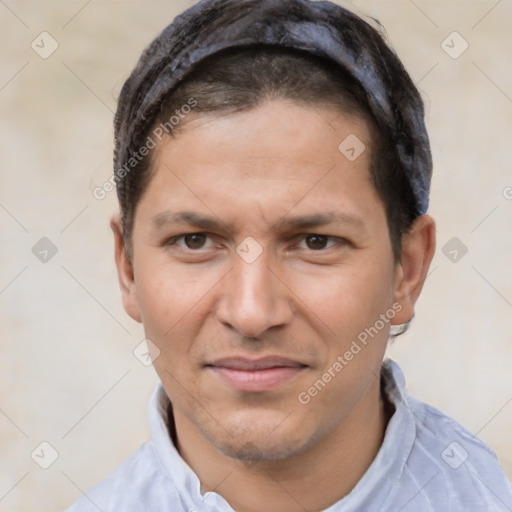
pixel 125 271
pixel 418 247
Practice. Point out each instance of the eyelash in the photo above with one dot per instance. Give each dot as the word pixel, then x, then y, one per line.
pixel 338 240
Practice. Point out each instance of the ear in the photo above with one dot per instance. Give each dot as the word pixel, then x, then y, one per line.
pixel 418 247
pixel 125 271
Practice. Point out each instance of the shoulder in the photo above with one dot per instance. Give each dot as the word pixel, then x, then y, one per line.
pixel 453 467
pixel 442 466
pixel 138 483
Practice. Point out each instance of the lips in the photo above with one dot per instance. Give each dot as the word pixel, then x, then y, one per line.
pixel 256 375
pixel 256 364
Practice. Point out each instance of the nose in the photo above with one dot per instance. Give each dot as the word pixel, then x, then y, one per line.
pixel 254 298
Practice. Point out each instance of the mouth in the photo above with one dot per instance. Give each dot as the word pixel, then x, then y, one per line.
pixel 256 375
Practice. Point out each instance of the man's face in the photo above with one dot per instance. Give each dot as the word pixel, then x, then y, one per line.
pixel 246 326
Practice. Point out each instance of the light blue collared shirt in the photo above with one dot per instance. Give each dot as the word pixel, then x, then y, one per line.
pixel 427 463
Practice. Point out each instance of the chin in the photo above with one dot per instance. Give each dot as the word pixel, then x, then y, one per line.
pixel 257 451
pixel 261 441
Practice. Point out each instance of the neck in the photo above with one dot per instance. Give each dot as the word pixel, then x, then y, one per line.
pixel 331 468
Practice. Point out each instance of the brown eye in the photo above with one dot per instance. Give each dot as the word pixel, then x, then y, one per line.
pixel 316 242
pixel 195 240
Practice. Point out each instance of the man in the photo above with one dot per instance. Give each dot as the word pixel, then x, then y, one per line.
pixel 273 169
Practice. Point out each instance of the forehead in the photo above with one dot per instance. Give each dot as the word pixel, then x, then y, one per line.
pixel 278 156
pixel 277 127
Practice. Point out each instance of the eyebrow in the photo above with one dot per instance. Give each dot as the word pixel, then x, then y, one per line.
pixel 211 223
pixel 191 219
pixel 319 219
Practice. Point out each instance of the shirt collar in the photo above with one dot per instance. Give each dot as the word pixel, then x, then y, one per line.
pixel 179 473
pixel 376 485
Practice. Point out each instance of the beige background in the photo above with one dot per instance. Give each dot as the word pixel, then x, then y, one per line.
pixel 68 375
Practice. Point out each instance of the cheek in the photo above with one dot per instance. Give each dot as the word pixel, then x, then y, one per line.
pixel 173 305
pixel 346 305
pixel 171 301
pixel 348 299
